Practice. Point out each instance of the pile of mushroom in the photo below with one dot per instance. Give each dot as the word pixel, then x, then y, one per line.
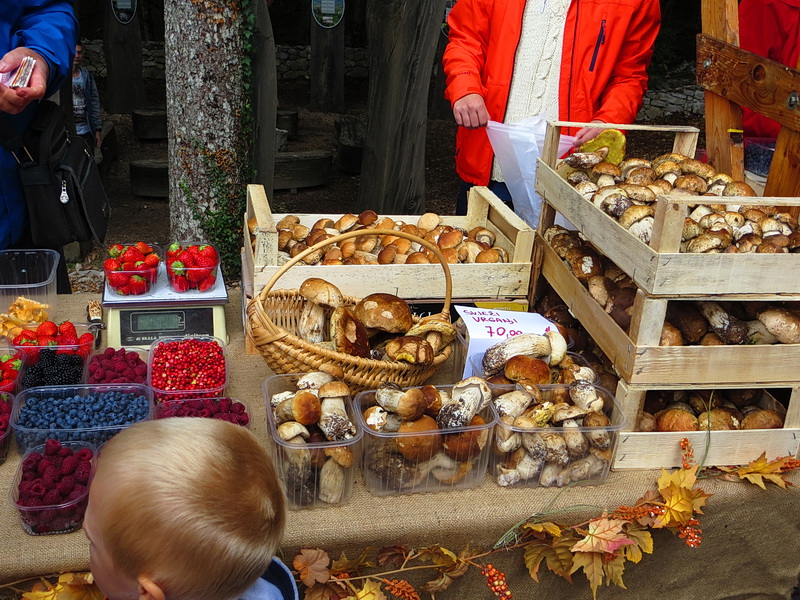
pixel 457 245
pixel 379 326
pixel 627 192
pixel 552 439
pixel 688 322
pixel 435 436
pixel 314 426
pixel 699 410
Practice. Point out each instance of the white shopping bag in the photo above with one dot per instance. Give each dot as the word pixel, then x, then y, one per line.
pixel 516 147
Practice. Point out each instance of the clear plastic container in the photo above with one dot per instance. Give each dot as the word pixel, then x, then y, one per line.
pixel 477 369
pixel 29 274
pixel 6 406
pixel 194 365
pixel 118 281
pixel 99 359
pixel 65 515
pixel 432 460
pixel 32 352
pixel 132 403
pixel 229 409
pixel 13 354
pixel 314 473
pixel 758 153
pixel 191 280
pixel 555 456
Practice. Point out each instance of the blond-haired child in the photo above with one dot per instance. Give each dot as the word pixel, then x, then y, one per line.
pixel 187 509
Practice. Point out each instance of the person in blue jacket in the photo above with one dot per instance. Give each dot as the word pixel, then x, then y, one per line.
pixel 86 102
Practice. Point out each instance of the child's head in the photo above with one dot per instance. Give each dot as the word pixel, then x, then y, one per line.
pixel 183 508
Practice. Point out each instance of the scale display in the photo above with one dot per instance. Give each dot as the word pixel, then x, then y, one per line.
pixel 137 327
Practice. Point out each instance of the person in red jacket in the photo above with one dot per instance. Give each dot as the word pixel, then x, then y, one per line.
pixel 570 60
pixel 770 28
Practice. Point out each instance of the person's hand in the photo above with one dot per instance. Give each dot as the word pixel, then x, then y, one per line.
pixel 586 134
pixel 14 101
pixel 470 111
pixel 98 137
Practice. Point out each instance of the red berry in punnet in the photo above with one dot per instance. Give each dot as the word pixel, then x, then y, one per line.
pixel 188 368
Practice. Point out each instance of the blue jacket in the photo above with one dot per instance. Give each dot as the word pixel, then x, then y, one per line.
pixel 48 27
pixel 276 584
pixel 94 117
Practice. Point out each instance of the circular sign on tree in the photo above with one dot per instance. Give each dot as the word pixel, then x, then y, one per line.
pixel 327 13
pixel 124 10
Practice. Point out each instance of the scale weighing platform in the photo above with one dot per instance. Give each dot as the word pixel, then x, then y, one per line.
pixel 136 321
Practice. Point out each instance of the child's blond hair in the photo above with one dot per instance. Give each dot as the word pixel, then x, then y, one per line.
pixel 195 504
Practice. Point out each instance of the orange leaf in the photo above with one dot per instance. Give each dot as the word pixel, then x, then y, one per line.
pixel 326 591
pixel 684 478
pixel 392 555
pixel 592 565
pixel 438 555
pixel 678 506
pixel 761 469
pixel 312 566
pixel 370 591
pixel 547 527
pixel 605 535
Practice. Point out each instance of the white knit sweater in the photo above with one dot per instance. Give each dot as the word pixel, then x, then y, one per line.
pixel 534 86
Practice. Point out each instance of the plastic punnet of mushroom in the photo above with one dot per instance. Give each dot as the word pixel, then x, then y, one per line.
pixel 627 192
pixel 379 326
pixel 457 245
pixel 705 322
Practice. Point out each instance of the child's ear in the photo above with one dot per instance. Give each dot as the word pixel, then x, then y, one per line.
pixel 149 589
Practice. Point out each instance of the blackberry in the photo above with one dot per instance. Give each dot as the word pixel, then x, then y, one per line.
pixel 54 369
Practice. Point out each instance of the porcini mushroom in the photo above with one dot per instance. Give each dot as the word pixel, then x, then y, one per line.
pixel 319 295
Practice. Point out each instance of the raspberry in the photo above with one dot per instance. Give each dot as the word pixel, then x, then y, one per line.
pixel 37 489
pixel 24 487
pixel 84 455
pixel 47 515
pixel 65 451
pixel 51 476
pixel 76 494
pixel 61 523
pixel 30 475
pixel 43 465
pixel 66 485
pixel 29 464
pixel 69 465
pixel 82 472
pixel 52 498
pixel 51 447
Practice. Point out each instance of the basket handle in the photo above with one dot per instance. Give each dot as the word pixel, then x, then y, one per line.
pixel 448 280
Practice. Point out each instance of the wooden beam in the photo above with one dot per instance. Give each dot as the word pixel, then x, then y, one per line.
pixel 720 20
pixel 783 177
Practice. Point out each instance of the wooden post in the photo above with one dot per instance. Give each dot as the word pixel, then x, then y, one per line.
pixel 327 67
pixel 784 171
pixel 122 46
pixel 265 98
pixel 720 19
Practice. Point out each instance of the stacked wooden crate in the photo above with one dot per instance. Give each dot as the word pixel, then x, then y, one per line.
pixel 663 274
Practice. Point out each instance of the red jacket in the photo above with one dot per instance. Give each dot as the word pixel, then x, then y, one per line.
pixel 770 29
pixel 607 49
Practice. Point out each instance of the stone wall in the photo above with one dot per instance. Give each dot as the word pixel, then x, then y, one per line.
pixel 294 62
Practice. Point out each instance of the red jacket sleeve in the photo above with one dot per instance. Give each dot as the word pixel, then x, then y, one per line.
pixel 465 54
pixel 624 93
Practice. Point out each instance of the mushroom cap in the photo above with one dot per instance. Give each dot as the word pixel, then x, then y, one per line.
pixel 529 368
pixel 636 213
pixel 676 419
pixel 738 188
pixel 334 389
pixel 429 221
pixel 469 442
pixel 782 323
pixel 384 312
pixel 306 408
pixel 696 167
pixel 411 349
pixel 765 418
pixel 420 439
pixel 348 333
pixel 606 168
pixel 321 292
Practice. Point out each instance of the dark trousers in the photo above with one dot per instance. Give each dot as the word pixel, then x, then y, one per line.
pixel 63 286
pixel 499 189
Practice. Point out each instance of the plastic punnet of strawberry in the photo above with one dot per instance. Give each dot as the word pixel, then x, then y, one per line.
pixel 191 266
pixel 132 269
pixel 62 338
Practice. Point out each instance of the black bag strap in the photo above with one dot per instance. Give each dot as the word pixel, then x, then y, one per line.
pixel 11 140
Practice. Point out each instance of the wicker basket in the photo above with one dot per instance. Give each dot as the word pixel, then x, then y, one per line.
pixel 274 316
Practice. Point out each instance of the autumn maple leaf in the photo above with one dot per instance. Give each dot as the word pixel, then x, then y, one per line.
pixel 592 565
pixel 546 527
pixel 392 555
pixel 70 586
pixel 642 542
pixel 345 565
pixel 370 591
pixel 761 470
pixel 312 566
pixel 438 555
pixel 327 591
pixel 605 535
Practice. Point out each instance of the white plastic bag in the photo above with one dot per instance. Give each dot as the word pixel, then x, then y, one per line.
pixel 516 147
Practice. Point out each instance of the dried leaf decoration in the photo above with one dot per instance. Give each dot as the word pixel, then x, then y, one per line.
pixel 392 555
pixel 546 527
pixel 327 591
pixel 70 586
pixel 642 542
pixel 438 585
pixel 604 535
pixel 681 501
pixel 592 565
pixel 760 470
pixel 312 566
pixel 370 591
pixel 344 565
pixel 439 556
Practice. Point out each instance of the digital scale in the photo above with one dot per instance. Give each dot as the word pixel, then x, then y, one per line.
pixel 136 321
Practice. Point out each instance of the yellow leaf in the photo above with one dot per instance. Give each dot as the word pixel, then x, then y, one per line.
pixel 312 566
pixel 699 498
pixel 343 565
pixel 438 555
pixel 605 535
pixel 371 591
pixel 546 527
pixel 592 565
pixel 533 556
pixel 47 594
pixel 761 469
pixel 614 570
pixel 684 478
pixel 678 506
pixel 642 542
pixel 560 562
pixel 76 578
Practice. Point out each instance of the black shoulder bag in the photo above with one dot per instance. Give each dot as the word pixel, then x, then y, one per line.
pixel 63 189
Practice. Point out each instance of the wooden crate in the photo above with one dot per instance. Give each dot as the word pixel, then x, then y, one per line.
pixel 639 450
pixel 659 268
pixel 470 281
pixel 641 361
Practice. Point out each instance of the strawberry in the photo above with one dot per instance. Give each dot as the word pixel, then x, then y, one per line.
pixel 128 266
pixel 202 260
pixel 142 267
pixel 143 248
pixel 194 248
pixel 209 252
pixel 86 339
pixel 123 290
pixel 46 340
pixel 207 283
pixel 67 339
pixel 176 267
pixel 7 385
pixel 179 283
pixel 10 373
pixel 25 337
pixel 152 259
pixel 174 249
pixel 186 257
pixel 116 250
pixel 196 275
pixel 67 328
pixel 117 279
pixel 137 285
pixel 111 264
pixel 46 328
pixel 132 254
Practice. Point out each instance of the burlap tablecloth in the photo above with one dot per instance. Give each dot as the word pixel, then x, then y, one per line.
pixel 750 549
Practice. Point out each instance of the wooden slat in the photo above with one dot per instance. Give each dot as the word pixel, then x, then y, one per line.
pixel 784 171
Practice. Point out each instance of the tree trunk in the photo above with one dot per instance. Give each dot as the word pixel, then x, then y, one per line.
pixel 122 47
pixel 265 98
pixel 402 42
pixel 439 107
pixel 327 67
pixel 208 149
